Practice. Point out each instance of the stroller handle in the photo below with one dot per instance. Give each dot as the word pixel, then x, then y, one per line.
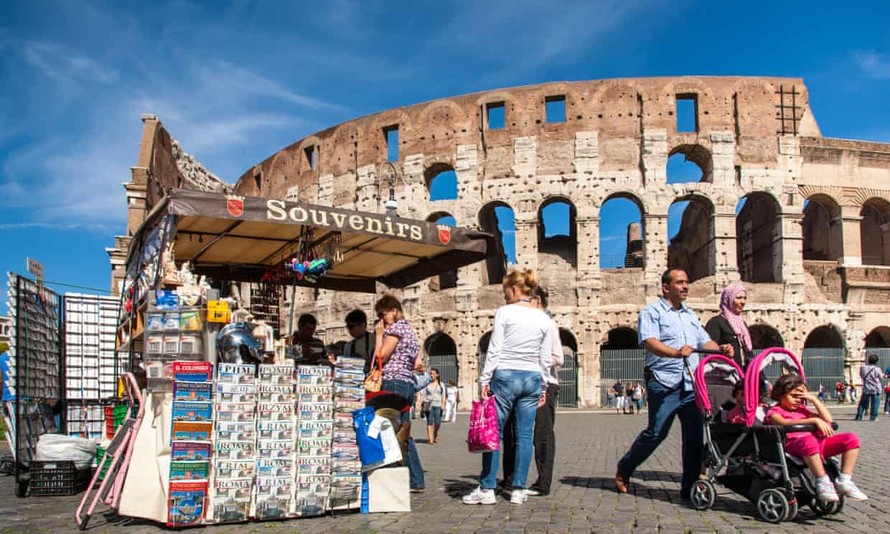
pixel 708 351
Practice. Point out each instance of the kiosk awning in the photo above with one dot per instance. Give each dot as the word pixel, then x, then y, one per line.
pixel 239 238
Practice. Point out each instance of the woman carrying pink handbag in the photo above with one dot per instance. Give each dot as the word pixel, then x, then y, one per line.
pixel 517 362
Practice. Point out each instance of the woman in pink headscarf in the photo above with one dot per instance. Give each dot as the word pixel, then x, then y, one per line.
pixel 728 327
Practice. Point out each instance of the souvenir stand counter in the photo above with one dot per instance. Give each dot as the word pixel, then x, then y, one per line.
pixel 224 440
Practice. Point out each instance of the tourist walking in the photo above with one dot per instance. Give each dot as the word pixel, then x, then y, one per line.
pixel 434 394
pixel 728 327
pixel 637 397
pixel 516 365
pixel 398 348
pixel 872 385
pixel 670 333
pixel 452 397
pixel 618 388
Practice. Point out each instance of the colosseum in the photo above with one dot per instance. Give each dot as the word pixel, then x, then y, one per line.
pixel 801 219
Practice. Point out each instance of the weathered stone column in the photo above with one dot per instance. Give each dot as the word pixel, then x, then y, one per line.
pixel 656 245
pixel 725 242
pixel 851 240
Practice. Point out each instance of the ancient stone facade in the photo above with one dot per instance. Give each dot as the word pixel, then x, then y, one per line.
pixel 801 219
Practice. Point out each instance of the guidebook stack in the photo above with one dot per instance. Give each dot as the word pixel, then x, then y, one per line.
pixel 275 442
pixel 235 433
pixel 349 395
pixel 315 413
pixel 190 446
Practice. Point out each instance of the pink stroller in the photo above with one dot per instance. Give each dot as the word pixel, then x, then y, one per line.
pixel 116 459
pixel 750 459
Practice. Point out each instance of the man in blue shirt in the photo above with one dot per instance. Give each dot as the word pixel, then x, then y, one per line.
pixel 670 332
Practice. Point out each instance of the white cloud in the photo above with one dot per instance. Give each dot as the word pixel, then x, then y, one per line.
pixel 65 65
pixel 873 64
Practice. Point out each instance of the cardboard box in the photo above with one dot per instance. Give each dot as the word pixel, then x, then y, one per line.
pixel 388 490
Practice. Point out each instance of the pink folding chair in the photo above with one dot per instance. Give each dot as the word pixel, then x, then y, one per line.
pixel 117 459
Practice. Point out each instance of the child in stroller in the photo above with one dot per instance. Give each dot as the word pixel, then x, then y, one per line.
pixel 790 392
pixel 750 458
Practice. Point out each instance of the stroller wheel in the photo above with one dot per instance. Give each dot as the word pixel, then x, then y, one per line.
pixel 703 494
pixel 772 505
pixel 821 508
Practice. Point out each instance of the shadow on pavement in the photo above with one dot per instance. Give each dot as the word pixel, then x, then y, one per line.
pixel 457 488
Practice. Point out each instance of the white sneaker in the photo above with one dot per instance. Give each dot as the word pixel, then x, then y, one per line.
pixel 518 496
pixel 851 492
pixel 825 492
pixel 480 496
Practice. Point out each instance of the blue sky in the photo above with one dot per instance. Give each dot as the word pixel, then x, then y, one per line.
pixel 237 81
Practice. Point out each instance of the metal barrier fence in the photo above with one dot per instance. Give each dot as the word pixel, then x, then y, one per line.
pixel 623 364
pixel 447 366
pixel 568 383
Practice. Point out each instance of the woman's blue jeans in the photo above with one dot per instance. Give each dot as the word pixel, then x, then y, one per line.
pixel 415 470
pixel 515 392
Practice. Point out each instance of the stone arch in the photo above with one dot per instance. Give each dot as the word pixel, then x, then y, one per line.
pixel 562 239
pixel 825 337
pixel 759 238
pixel 693 247
pixel 628 248
pixel 448 279
pixel 282 172
pixel 621 338
pixel 505 238
pixel 874 228
pixel 822 229
pixel 440 176
pixel 878 338
pixel 441 353
pixel 695 154
pixel 764 336
pixel 568 373
pixel 440 115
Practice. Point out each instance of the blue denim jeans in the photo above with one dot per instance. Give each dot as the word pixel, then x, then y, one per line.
pixel 664 405
pixel 515 392
pixel 871 402
pixel 415 470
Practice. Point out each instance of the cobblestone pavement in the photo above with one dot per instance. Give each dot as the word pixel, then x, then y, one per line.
pixel 582 500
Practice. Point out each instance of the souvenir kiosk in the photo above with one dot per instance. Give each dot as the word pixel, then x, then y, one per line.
pixel 222 442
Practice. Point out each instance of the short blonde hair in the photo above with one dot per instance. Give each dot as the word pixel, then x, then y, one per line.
pixel 522 281
pixel 388 302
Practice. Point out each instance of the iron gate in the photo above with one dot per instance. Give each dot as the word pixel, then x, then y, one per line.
pixel 624 364
pixel 447 366
pixel 823 366
pixel 568 382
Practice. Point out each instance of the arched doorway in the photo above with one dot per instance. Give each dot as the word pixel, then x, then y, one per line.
pixel 758 226
pixel 823 357
pixel 620 358
pixel 764 336
pixel 482 351
pixel 441 352
pixel 691 244
pixel 878 342
pixel 822 232
pixel 556 230
pixel 872 229
pixel 568 373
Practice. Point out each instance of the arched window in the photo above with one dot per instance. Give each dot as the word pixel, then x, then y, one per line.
pixel 822 238
pixel 497 219
pixel 873 231
pixel 448 279
pixel 689 164
pixel 758 227
pixel 691 235
pixel 621 233
pixel 441 182
pixel 556 230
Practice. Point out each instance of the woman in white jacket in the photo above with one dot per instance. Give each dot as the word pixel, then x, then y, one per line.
pixel 516 368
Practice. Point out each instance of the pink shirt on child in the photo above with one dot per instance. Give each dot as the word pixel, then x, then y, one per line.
pixel 800 413
pixel 736 416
